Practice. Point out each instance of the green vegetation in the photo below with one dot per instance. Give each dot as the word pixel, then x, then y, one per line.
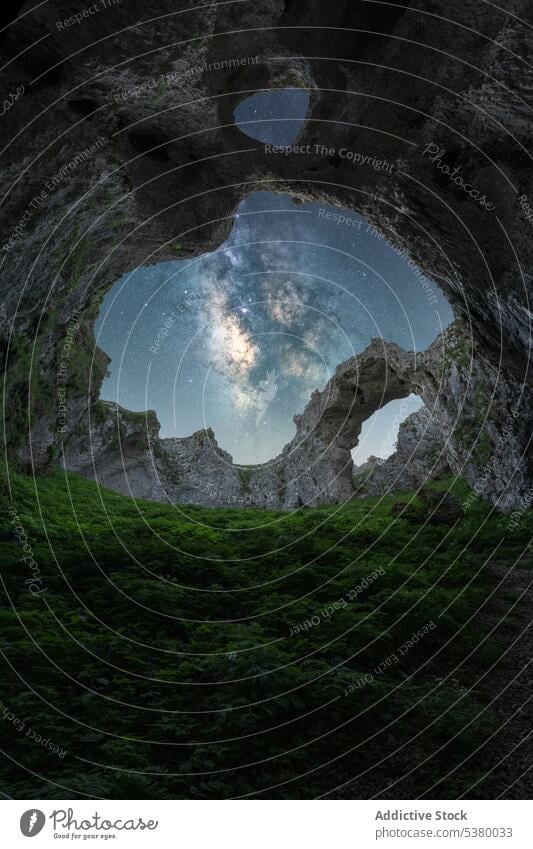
pixel 74 254
pixel 101 198
pixel 159 91
pixel 26 394
pixel 245 473
pixel 207 653
pixel 459 350
pixel 58 354
pixel 118 221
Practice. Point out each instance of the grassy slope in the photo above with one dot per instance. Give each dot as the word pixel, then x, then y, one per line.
pixel 158 628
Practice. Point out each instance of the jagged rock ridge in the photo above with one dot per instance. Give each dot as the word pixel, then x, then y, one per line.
pixel 124 451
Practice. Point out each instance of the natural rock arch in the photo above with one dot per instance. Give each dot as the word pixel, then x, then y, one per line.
pixel 123 450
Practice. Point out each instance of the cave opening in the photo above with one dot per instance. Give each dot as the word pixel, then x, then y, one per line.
pixel 276 116
pixel 238 339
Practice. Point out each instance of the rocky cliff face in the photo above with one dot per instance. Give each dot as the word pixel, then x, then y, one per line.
pixel 420 456
pixel 478 423
pixel 122 451
pixel 120 150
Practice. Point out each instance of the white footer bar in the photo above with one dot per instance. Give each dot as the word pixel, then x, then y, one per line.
pixel 267 824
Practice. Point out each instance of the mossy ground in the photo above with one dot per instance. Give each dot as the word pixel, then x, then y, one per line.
pixel 189 653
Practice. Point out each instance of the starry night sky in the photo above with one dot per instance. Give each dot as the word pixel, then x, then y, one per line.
pixel 274 117
pixel 238 339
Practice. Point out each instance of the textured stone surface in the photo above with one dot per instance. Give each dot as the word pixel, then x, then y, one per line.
pixel 483 423
pixel 122 451
pixel 167 168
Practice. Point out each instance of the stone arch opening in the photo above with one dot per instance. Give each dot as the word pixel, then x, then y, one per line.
pixel 401 447
pixel 408 456
pixel 379 434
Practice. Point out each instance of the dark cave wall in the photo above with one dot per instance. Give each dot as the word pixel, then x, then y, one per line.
pixel 166 168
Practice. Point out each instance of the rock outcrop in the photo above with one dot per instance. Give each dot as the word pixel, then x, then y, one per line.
pixel 467 426
pixel 481 422
pixel 122 451
pixel 121 150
